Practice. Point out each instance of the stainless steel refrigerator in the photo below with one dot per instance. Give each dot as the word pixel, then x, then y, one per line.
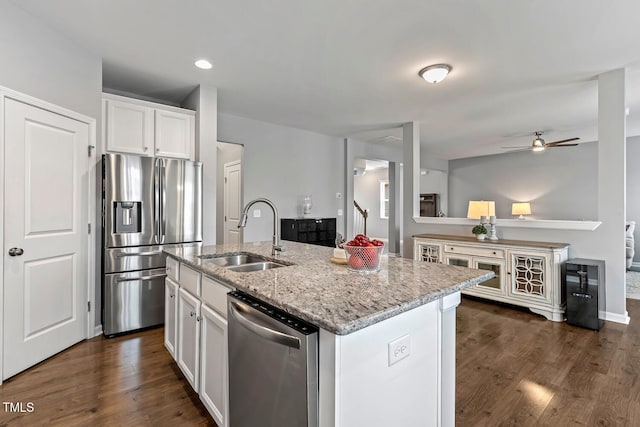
pixel 147 204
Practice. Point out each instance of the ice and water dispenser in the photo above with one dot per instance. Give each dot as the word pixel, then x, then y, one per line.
pixel 127 217
pixel 585 291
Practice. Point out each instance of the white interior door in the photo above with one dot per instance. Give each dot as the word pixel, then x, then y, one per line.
pixel 232 202
pixel 45 222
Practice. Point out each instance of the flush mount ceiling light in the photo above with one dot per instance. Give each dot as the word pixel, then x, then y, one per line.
pixel 435 73
pixel 203 64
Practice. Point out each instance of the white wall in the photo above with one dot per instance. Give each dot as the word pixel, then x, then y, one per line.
pixel 39 61
pixel 226 153
pixel 283 164
pixel 366 191
pixel 560 183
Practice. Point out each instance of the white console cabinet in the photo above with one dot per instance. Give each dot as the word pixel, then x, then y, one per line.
pixel 148 129
pixel 527 273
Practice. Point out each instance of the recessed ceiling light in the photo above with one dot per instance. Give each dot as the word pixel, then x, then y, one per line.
pixel 435 73
pixel 204 64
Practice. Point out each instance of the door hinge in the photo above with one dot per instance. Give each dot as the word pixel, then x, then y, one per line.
pixel 89 228
pixel 225 218
pixel 89 306
pixel 225 179
pixel 89 148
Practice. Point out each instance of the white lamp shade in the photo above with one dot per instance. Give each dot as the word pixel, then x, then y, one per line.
pixel 521 208
pixel 480 208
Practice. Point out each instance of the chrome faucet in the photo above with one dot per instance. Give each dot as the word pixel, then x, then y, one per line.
pixel 276 248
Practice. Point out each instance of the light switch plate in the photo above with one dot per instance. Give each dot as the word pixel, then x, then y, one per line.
pixel 257 213
pixel 399 349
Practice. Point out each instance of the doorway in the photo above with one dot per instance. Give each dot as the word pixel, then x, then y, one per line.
pixel 229 190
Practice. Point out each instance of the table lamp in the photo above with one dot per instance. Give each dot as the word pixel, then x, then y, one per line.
pixel 521 209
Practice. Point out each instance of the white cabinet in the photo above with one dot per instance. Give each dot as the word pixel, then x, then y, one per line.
pixel 170 316
pixel 213 366
pixel 196 334
pixel 527 273
pixel 189 336
pixel 174 134
pixel 129 127
pixel 145 128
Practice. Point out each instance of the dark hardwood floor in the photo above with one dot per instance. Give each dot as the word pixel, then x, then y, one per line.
pixel 517 369
pixel 125 381
pixel 513 369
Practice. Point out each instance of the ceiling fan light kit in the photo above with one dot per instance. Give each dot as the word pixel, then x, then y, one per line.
pixel 435 73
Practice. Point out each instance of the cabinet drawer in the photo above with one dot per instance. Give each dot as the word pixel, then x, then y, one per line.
pixel 214 294
pixel 173 269
pixel 190 280
pixel 467 250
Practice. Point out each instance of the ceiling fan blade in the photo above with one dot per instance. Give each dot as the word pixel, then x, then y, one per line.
pixel 563 145
pixel 561 141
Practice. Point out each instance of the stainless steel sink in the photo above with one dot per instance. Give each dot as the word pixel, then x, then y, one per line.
pixel 228 260
pixel 258 266
pixel 243 262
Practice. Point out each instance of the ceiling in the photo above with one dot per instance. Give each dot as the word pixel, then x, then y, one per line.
pixel 349 68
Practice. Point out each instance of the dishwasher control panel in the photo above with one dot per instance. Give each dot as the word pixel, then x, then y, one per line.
pixel 275 313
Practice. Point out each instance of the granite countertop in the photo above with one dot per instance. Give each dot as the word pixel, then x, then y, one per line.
pixel 501 242
pixel 329 295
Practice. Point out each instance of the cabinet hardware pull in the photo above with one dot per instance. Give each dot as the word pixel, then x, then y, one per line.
pixel 191 314
pixel 170 296
pixel 198 318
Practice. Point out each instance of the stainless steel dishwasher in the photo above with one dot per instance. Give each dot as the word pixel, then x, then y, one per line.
pixel 273 366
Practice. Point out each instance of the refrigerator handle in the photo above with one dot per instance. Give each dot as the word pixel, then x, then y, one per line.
pixel 156 201
pixel 163 219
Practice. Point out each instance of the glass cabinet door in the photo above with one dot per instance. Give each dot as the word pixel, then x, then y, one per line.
pixel 458 260
pixel 494 285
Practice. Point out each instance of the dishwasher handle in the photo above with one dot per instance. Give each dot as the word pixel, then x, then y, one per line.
pixel 238 311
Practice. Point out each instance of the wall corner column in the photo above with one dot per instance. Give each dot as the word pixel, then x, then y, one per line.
pixel 612 186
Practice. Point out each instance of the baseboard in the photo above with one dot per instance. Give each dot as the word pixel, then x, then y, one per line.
pixel 635 266
pixel 97 330
pixel 618 318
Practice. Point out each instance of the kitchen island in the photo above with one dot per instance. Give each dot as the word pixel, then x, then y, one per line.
pixel 386 340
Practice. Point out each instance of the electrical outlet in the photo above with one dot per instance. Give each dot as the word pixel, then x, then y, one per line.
pixel 399 349
pixel 339 212
pixel 257 213
pixel 338 195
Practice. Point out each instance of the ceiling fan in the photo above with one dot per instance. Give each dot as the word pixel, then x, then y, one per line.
pixel 539 144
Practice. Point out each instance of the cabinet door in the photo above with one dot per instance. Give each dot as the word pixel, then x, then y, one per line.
pixel 174 136
pixel 428 252
pixel 458 260
pixel 530 277
pixel 170 316
pixel 129 128
pixel 189 336
pixel 214 391
pixel 495 286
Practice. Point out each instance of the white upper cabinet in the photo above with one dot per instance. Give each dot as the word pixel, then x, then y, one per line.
pixel 174 134
pixel 139 127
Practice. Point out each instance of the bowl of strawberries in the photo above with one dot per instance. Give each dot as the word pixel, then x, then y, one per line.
pixel 363 253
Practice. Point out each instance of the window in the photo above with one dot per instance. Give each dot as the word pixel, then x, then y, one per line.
pixel 384 199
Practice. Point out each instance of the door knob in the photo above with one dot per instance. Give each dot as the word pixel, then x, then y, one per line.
pixel 16 251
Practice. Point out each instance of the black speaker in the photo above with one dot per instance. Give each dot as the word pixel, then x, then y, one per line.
pixel 583 281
